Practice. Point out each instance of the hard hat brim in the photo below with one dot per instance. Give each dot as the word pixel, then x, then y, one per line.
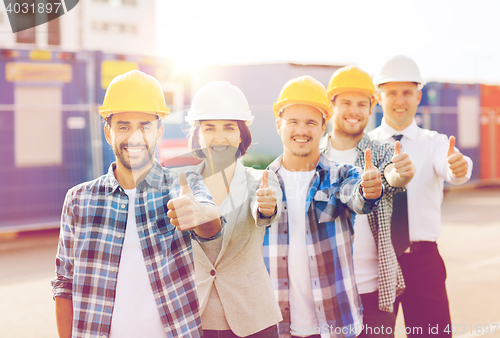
pixel 107 113
pixel 191 120
pixel 372 95
pixel 279 106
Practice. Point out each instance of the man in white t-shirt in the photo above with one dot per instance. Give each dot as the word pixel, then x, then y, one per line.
pixel 425 301
pixel 308 252
pixel 124 265
pixel 378 275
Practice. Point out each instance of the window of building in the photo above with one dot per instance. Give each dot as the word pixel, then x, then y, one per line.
pixel 26 36
pixel 114 27
pixel 54 32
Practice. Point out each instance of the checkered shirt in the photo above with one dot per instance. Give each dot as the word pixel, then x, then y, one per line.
pixel 390 277
pixel 93 224
pixel 334 194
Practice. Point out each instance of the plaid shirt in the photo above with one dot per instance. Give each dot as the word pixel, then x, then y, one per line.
pixel 93 224
pixel 390 277
pixel 333 195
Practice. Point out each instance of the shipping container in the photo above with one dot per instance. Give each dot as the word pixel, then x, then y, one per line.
pixel 490 133
pixel 44 134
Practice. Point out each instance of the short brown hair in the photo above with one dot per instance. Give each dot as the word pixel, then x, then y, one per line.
pixel 194 142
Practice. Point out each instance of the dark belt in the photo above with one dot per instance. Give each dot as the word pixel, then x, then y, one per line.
pixel 420 246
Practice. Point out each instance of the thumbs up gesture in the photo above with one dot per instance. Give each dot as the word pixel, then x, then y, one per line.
pixel 456 161
pixel 402 162
pixel 266 198
pixel 371 180
pixel 183 211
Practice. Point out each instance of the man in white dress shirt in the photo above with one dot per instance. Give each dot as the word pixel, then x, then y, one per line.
pixel 425 301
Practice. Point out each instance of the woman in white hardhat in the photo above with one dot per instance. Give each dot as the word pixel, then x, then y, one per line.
pixel 234 289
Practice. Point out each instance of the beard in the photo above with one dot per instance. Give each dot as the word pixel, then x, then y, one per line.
pixel 303 154
pixel 134 164
pixel 355 134
pixel 339 129
pixel 299 152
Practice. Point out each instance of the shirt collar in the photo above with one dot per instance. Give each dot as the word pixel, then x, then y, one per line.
pixel 364 143
pixel 320 166
pixel 410 132
pixel 153 178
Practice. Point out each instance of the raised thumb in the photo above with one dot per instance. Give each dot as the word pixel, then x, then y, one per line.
pixel 451 147
pixel 397 148
pixel 265 176
pixel 185 189
pixel 368 159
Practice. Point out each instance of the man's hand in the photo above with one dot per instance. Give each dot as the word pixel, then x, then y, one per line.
pixel 266 198
pixel 458 165
pixel 402 162
pixel 371 180
pixel 184 212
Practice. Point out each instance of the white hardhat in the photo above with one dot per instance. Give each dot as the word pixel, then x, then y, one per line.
pixel 399 68
pixel 219 100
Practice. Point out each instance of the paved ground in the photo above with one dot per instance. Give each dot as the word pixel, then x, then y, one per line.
pixel 469 244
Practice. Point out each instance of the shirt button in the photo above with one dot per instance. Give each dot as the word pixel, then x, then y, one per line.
pixel 284 258
pixel 286 309
pixel 123 206
pixel 212 272
pixel 113 269
pixel 103 336
pixel 108 303
pixel 285 283
pixel 118 236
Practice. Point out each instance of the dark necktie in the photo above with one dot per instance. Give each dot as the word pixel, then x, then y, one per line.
pixel 399 222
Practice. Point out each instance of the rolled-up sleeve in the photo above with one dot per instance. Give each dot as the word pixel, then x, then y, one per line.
pixel 62 284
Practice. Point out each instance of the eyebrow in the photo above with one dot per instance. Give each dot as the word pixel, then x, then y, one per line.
pixel 128 123
pixel 225 124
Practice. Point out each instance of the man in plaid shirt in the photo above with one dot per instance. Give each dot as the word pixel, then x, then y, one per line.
pixel 309 251
pixel 124 265
pixel 378 274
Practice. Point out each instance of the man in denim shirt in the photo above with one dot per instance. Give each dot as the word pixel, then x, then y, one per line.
pixel 309 250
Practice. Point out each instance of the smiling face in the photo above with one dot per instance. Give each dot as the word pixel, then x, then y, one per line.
pixel 219 139
pixel 351 111
pixel 399 101
pixel 301 128
pixel 133 137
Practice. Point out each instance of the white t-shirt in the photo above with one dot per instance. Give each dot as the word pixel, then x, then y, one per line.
pixel 302 313
pixel 135 312
pixel 365 254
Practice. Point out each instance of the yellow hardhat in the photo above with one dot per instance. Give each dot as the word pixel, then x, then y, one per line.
pixel 303 90
pixel 351 79
pixel 134 91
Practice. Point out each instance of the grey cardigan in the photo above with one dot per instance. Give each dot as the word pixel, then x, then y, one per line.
pixel 239 273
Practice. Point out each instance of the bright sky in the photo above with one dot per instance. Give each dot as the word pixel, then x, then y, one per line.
pixel 451 40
